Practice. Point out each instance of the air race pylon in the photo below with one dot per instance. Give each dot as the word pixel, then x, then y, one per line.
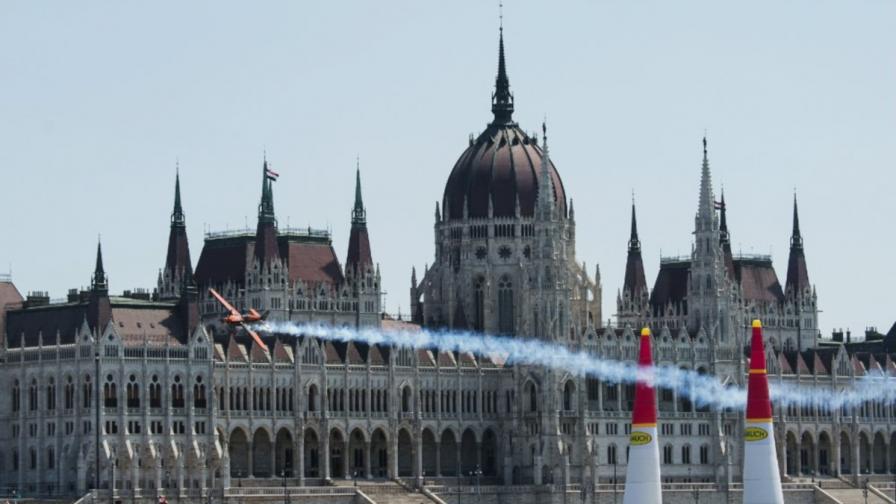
pixel 762 482
pixel 642 473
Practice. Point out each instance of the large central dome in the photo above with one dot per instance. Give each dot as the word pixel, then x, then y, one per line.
pixel 503 165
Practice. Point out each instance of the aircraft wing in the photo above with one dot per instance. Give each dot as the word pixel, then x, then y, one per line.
pixel 220 298
pixel 256 337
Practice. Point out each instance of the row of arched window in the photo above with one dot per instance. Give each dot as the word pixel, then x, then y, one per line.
pixel 110 394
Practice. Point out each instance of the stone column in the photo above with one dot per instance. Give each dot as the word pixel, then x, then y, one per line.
pixel 325 455
pixel 438 460
pixel 835 457
pixel 180 476
pixel 225 470
pixel 367 455
pixel 479 455
pixel 799 458
pixel 418 461
pixel 856 464
pixel 250 470
pixel 393 456
pixel 158 465
pixel 135 477
pixel 346 459
pixel 536 470
pixel 300 459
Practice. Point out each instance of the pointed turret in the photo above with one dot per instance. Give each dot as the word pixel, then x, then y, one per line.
pixel 178 271
pixel 359 257
pixel 635 283
pixel 762 481
pixel 706 206
pixel 266 249
pixel 725 237
pixel 502 99
pixel 544 200
pixel 797 272
pixel 99 309
pixel 99 282
pixel 642 477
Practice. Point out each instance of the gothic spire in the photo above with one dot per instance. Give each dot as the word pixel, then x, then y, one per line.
pixel 635 282
pixel 359 255
pixel 266 248
pixel 502 99
pixel 706 207
pixel 359 215
pixel 266 207
pixel 177 215
pixel 99 282
pixel 797 271
pixel 724 237
pixel 796 239
pixel 178 270
pixel 634 244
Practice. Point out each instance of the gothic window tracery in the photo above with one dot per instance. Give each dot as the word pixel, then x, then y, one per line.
pixel 505 305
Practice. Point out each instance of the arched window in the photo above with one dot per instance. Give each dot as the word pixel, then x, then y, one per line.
pixel 532 395
pixel 16 396
pixel 569 390
pixel 312 398
pixel 133 392
pixel 69 393
pixel 110 393
pixel 32 396
pixel 155 393
pixel 479 304
pixel 406 399
pixel 199 400
pixel 51 394
pixel 87 391
pixel 177 393
pixel 505 306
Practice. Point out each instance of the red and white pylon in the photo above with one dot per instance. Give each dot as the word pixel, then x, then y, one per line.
pixel 642 472
pixel 762 482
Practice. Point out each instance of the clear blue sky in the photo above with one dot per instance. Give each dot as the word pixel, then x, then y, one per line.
pixel 98 99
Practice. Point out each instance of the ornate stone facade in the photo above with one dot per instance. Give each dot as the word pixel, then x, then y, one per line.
pixel 155 395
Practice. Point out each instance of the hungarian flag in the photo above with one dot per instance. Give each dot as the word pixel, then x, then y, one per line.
pixel 271 174
pixel 719 205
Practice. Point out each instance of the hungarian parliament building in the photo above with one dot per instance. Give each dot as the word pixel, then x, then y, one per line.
pixel 150 390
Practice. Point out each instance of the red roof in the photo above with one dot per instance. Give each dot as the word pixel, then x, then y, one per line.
pixel 311 260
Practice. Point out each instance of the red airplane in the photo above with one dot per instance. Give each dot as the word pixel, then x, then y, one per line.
pixel 241 319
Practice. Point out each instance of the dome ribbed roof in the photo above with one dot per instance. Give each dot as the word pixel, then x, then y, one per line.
pixel 502 165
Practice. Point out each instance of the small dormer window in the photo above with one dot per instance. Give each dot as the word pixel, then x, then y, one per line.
pixel 139 325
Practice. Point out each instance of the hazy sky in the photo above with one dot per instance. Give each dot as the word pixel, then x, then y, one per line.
pixel 98 99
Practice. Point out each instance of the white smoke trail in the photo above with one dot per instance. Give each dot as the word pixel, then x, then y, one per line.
pixel 702 390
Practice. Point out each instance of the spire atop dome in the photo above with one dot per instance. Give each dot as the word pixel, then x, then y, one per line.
pixel 502 99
